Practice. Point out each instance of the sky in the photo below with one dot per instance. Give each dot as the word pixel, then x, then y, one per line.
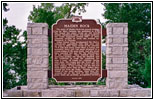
pixel 19 12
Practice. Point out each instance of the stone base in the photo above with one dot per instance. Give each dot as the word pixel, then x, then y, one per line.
pixel 79 91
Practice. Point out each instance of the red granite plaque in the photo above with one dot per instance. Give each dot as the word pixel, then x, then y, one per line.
pixel 76 54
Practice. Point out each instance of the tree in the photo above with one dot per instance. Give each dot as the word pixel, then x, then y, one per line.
pixel 43 14
pixel 67 10
pixel 138 17
pixel 14 56
pixel 48 13
pixel 147 71
pixel 5 7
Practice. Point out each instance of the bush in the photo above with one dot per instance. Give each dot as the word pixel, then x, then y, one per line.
pixel 147 71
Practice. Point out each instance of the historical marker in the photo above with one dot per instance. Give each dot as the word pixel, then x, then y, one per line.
pixel 76 50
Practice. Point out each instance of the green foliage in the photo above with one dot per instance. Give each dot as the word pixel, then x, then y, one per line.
pixel 67 10
pixel 50 53
pixel 14 57
pixel 5 21
pixel 5 7
pixel 101 81
pixel 48 13
pixel 52 81
pixel 103 61
pixel 42 15
pixel 147 71
pixel 138 17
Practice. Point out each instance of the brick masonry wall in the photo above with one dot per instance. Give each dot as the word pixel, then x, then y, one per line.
pixel 116 55
pixel 37 56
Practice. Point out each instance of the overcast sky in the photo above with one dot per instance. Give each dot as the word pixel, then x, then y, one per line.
pixel 19 12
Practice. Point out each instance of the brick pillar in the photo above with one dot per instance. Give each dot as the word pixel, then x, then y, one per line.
pixel 116 55
pixel 37 56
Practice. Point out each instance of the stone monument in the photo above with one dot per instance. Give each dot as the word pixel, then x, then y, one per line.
pixel 77 57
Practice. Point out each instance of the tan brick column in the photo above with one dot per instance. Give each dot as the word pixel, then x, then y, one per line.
pixel 37 56
pixel 116 55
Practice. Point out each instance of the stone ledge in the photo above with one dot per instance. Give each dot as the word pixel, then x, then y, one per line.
pixel 117 45
pixel 117 25
pixel 29 25
pixel 79 91
pixel 117 36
